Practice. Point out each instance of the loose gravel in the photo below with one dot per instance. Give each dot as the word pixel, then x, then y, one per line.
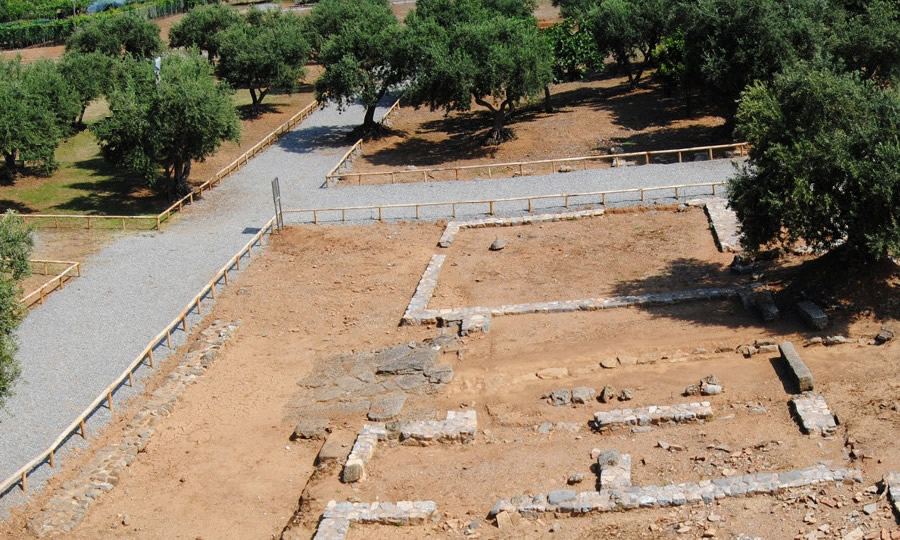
pixel 85 335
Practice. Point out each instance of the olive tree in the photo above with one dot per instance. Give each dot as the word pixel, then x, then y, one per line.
pixel 824 162
pixel 473 51
pixel 167 123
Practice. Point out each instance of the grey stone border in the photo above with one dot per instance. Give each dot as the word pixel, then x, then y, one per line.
pixel 453 227
pixel 416 313
pixel 459 426
pixel 724 223
pixel 654 415
pixel 569 502
pixel 338 516
pixel 892 489
pixel 67 507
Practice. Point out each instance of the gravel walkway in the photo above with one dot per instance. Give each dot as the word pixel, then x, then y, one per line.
pixel 85 335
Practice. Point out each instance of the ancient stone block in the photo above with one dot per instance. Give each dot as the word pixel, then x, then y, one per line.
pixel 645 416
pixel 615 470
pixel 387 407
pixel 311 428
pixel 798 370
pixel 812 315
pixel 813 414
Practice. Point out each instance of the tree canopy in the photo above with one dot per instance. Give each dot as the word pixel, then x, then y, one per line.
pixel 183 117
pixel 268 51
pixel 361 54
pixel 628 28
pixel 125 34
pixel 89 76
pixel 468 50
pixel 824 163
pixel 15 248
pixel 200 28
pixel 37 108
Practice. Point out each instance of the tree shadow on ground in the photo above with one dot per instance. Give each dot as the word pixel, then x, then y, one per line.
pixel 249 112
pixel 112 193
pixel 6 205
pixel 845 291
pixel 690 273
pixel 674 137
pixel 311 139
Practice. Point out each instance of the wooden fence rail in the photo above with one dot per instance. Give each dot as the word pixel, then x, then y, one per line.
pixel 165 336
pixel 518 167
pixel 156 221
pixel 493 202
pixel 56 282
pixel 355 149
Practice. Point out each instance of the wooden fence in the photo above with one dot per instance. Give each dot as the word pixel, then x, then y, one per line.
pixel 491 203
pixel 518 168
pixel 56 282
pixel 165 336
pixel 156 221
pixel 333 174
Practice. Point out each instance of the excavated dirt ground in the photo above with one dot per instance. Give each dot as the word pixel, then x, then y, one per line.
pixel 590 117
pixel 222 464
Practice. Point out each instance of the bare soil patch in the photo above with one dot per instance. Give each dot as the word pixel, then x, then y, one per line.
pixel 611 255
pixel 220 466
pixel 590 118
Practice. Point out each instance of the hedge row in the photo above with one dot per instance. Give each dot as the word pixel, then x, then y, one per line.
pixel 25 34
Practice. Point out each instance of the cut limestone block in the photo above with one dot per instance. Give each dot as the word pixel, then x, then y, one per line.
pixel 362 452
pixel 459 426
pixel 812 315
pixel 800 373
pixel 685 412
pixel 615 470
pixel 813 414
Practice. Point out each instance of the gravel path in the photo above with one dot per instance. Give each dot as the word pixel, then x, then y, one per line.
pixel 86 334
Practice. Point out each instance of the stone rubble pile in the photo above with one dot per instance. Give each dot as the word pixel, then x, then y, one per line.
pixel 645 416
pixel 813 414
pixel 67 507
pixel 338 516
pixel 569 502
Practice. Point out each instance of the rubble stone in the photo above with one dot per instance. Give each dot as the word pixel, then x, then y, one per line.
pixel 583 394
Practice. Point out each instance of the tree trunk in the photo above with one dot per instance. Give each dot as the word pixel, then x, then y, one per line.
pixel 369 119
pixel 499 133
pixel 548 103
pixel 181 170
pixel 81 116
pixel 10 158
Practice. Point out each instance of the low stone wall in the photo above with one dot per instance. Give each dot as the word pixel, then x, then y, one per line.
pixel 362 451
pixel 439 316
pixel 418 305
pixel 459 426
pixel 813 414
pixel 453 227
pixel 569 502
pixel 338 516
pixel 892 489
pixel 645 416
pixel 725 225
pixel 67 507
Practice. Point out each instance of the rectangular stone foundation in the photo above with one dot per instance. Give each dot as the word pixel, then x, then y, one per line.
pixel 645 416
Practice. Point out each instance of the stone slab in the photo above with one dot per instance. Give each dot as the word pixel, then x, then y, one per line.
pixel 801 374
pixel 813 414
pixel 812 315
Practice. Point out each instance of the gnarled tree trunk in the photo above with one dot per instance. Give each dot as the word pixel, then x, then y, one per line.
pixel 181 170
pixel 499 133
